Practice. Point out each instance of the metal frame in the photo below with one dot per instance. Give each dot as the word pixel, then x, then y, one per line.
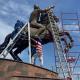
pixel 75 51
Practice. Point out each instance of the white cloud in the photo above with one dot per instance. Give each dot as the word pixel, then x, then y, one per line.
pixel 3 12
pixel 5 8
pixel 15 9
pixel 18 7
pixel 4 30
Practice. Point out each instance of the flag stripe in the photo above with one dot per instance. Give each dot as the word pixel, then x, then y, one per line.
pixel 38 47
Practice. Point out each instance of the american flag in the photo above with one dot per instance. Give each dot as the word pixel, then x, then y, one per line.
pixel 39 47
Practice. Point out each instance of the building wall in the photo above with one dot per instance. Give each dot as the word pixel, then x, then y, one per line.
pixel 11 69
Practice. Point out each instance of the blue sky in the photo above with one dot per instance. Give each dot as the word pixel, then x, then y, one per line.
pixel 11 10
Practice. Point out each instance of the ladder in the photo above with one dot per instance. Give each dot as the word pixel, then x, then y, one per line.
pixel 61 56
pixel 10 45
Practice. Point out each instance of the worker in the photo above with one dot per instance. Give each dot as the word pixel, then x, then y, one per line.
pixel 34 19
pixel 68 45
pixel 19 24
pixel 33 54
pixel 37 48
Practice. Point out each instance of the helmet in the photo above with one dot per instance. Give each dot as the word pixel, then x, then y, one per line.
pixel 18 20
pixel 36 7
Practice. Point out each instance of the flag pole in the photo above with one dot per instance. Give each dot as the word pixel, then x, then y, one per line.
pixel 29 41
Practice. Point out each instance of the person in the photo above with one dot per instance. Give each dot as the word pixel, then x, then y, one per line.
pixel 33 54
pixel 68 45
pixel 34 19
pixel 19 24
pixel 37 50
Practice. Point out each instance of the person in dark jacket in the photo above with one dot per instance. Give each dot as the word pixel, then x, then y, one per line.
pixel 19 24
